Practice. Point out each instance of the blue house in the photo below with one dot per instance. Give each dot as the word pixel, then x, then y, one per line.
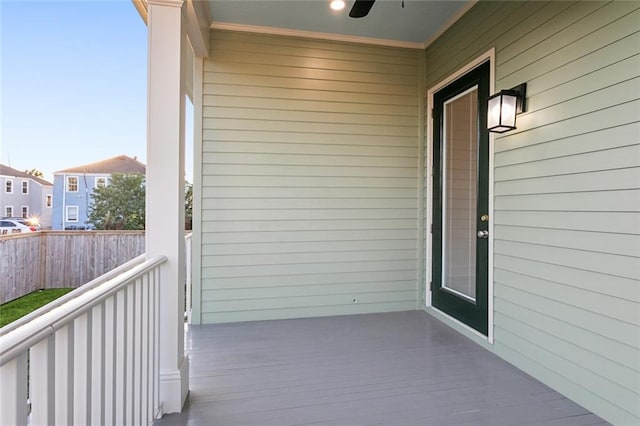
pixel 73 187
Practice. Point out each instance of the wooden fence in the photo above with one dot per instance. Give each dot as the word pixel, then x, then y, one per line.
pixel 52 259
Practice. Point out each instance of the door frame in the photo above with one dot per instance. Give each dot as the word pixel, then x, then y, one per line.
pixel 487 56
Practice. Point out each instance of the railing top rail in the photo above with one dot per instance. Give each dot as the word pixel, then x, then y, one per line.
pixel 73 294
pixel 20 339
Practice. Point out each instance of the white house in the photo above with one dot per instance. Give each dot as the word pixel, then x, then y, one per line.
pixel 25 195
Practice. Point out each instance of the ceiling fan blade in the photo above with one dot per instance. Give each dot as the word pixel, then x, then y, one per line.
pixel 361 8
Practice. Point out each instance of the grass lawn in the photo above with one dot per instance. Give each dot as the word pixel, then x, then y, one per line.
pixel 20 307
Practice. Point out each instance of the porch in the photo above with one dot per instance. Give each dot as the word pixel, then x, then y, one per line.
pixel 313 196
pixel 389 368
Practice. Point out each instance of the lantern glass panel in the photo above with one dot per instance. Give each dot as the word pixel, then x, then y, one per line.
pixel 508 114
pixel 493 118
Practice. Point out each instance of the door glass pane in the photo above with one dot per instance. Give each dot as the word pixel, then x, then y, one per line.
pixel 460 183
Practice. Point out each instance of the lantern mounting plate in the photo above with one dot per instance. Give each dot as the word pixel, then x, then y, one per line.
pixel 521 102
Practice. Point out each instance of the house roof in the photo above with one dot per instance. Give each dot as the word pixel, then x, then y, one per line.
pixel 119 164
pixel 9 171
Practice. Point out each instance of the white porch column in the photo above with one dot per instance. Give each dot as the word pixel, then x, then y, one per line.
pixel 165 189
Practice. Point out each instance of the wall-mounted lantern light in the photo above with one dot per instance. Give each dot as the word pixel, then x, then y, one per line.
pixel 337 4
pixel 503 107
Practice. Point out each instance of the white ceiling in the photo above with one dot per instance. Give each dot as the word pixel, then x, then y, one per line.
pixel 415 24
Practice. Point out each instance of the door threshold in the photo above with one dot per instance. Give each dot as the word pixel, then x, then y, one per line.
pixel 460 327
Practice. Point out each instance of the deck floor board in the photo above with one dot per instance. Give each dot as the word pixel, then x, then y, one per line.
pixel 402 368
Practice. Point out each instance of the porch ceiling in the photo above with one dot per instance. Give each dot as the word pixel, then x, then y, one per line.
pixel 415 25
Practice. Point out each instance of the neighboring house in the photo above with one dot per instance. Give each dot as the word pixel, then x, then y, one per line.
pixel 73 187
pixel 25 195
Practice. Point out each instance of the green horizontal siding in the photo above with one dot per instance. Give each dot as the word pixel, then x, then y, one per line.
pixel 309 178
pixel 567 192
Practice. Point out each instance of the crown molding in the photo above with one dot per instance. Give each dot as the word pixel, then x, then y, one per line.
pixel 314 35
pixel 169 3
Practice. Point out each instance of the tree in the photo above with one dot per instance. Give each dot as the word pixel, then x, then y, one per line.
pixel 188 205
pixel 120 204
pixel 34 172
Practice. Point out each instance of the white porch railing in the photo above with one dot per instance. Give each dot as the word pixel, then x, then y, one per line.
pixel 188 282
pixel 89 359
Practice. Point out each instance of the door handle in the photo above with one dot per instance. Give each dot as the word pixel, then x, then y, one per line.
pixel 483 234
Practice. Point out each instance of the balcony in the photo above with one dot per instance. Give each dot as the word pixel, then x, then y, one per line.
pixel 92 358
pixel 391 368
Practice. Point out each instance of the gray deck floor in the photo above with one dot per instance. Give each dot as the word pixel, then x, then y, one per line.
pixel 402 368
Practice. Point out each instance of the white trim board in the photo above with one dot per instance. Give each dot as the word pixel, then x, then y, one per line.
pixel 487 56
pixel 196 220
pixel 314 35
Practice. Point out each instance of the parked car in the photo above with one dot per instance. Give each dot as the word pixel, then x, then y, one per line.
pixel 10 226
pixel 31 222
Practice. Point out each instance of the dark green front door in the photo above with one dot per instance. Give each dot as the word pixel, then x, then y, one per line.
pixel 460 199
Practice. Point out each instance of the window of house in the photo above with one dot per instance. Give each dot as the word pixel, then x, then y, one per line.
pixel 25 211
pixel 72 213
pixel 8 211
pixel 25 186
pixel 101 182
pixel 72 183
pixel 8 186
pixel 49 200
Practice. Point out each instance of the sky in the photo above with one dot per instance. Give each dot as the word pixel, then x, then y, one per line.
pixel 73 83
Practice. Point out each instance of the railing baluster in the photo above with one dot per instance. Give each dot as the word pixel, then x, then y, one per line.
pixel 157 410
pixel 144 350
pixel 188 283
pixel 13 403
pixel 152 346
pixel 109 359
pixel 42 381
pixel 64 375
pixel 97 365
pixel 137 353
pixel 81 369
pixel 130 327
pixel 120 394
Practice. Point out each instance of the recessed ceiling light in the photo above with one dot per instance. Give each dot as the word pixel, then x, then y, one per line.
pixel 337 4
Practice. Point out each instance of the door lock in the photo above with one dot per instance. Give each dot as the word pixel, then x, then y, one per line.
pixel 483 234
pixel 484 218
